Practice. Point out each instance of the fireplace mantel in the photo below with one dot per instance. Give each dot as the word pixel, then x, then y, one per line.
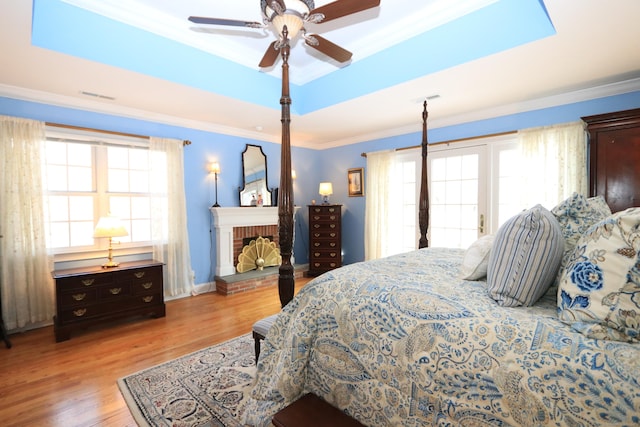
pixel 225 219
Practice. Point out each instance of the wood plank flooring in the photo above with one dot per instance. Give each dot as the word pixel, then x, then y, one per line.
pixel 73 383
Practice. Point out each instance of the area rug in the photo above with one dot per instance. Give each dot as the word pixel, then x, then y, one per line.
pixel 205 388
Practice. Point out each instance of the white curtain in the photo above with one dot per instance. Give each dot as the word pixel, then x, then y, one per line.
pixel 169 216
pixel 25 267
pixel 378 182
pixel 554 163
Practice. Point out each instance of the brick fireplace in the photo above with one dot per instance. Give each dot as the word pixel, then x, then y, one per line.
pixel 232 225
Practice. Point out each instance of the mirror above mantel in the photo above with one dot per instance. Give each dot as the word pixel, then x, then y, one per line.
pixel 255 189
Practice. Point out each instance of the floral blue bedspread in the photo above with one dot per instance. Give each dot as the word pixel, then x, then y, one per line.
pixel 402 341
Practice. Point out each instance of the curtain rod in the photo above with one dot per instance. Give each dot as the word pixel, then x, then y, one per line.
pixel 109 132
pixel 491 135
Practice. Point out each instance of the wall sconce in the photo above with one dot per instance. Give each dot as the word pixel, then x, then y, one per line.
pixel 110 226
pixel 326 189
pixel 214 168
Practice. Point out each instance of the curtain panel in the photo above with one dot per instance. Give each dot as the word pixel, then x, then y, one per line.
pixel 25 266
pixel 554 163
pixel 169 215
pixel 376 217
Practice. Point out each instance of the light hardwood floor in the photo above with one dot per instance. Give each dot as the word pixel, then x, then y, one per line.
pixel 73 383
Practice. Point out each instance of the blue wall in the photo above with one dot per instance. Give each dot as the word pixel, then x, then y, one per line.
pixel 311 166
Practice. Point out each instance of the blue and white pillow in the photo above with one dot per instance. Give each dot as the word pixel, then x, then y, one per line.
pixel 599 292
pixel 525 258
pixel 575 215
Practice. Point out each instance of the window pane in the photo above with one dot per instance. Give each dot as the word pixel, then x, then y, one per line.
pixel 118 158
pixel 80 179
pixel 81 208
pixel 59 234
pixel 118 181
pixel 81 233
pixel 56 178
pixel 58 208
pixel 79 155
pixel 139 182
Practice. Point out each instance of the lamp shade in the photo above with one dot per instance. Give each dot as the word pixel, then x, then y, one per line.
pixel 326 189
pixel 214 167
pixel 110 226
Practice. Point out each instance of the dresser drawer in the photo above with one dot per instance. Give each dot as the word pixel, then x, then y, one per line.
pixel 323 234
pixel 77 297
pixel 82 282
pixel 116 290
pixel 324 244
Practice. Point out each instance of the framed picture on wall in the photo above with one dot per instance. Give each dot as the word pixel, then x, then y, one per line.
pixel 355 179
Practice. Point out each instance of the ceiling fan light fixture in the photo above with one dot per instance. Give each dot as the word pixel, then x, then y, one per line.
pixel 293 15
pixel 291 20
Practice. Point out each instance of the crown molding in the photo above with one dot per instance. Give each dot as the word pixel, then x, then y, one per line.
pixel 64 101
pixel 596 92
pixel 612 89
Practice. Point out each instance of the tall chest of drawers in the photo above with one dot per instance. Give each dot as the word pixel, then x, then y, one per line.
pixel 325 234
pixel 93 295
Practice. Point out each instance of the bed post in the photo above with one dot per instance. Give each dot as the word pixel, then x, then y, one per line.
pixel 423 204
pixel 286 282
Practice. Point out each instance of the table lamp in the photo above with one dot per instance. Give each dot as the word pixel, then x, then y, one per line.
pixel 110 226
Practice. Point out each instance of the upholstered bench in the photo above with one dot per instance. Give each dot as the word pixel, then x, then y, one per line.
pixel 260 330
pixel 312 411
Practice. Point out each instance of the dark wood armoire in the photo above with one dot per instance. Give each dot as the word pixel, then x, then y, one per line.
pixel 614 157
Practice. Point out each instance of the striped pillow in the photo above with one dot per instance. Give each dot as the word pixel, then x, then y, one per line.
pixel 525 258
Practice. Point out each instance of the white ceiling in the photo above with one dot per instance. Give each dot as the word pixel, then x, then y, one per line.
pixel 594 53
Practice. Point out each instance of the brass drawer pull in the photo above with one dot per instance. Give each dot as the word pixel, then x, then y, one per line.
pixel 88 282
pixel 332 226
pixel 80 312
pixel 333 217
pixel 78 297
pixel 316 244
pixel 115 291
pixel 316 254
pixel 317 264
pixel 317 217
pixel 316 225
pixel 316 234
pixel 316 209
pixel 139 274
pixel 332 210
pixel 332 254
pixel 332 244
pixel 148 298
pixel 147 285
pixel 332 234
pixel 333 264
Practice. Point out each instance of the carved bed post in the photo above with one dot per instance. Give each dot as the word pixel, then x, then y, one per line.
pixel 423 204
pixel 286 281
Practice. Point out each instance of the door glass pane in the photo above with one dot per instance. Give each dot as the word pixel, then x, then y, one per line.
pixel 454 197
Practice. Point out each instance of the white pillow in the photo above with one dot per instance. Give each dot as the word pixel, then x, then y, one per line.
pixel 525 258
pixel 599 292
pixel 476 258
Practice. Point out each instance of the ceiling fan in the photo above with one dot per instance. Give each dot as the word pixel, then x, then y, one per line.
pixel 294 14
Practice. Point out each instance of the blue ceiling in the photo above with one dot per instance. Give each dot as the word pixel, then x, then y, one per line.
pixel 500 26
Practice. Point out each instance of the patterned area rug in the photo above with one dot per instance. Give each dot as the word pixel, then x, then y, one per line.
pixel 205 388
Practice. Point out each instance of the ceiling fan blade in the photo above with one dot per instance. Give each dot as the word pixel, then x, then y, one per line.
pixel 270 56
pixel 328 48
pixel 231 22
pixel 340 8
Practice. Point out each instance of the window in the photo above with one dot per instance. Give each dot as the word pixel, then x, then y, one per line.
pixel 85 180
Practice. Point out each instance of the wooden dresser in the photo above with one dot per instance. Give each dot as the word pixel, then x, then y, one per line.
pixel 325 247
pixel 93 295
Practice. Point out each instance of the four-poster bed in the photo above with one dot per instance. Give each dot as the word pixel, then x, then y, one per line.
pixel 410 340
